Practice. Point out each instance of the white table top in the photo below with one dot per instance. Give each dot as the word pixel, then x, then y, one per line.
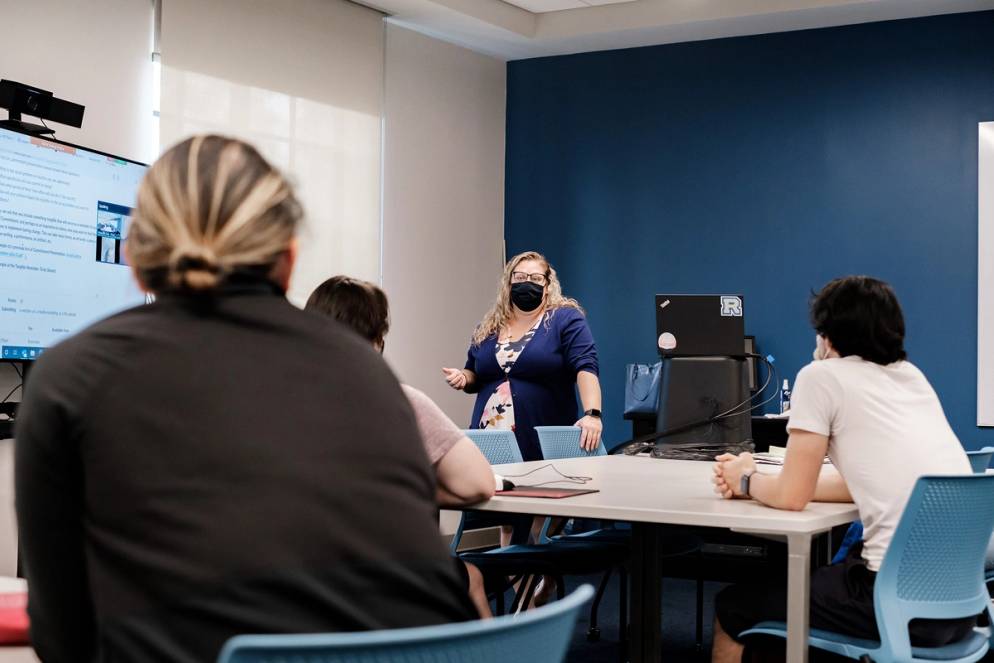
pixel 652 490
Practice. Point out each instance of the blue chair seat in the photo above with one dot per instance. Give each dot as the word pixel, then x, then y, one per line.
pixel 972 645
pixel 980 459
pixel 608 535
pixel 565 557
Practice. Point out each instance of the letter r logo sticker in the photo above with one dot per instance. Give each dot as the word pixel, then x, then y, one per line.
pixel 731 306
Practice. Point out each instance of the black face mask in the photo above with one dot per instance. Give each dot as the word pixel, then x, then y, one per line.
pixel 527 295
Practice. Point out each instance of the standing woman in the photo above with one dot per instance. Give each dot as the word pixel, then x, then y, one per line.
pixel 527 354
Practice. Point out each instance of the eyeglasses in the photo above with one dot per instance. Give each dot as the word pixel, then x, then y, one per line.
pixel 521 277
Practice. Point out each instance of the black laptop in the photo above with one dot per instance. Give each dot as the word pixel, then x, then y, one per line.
pixel 700 325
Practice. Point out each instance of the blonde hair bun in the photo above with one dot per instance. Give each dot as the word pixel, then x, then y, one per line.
pixel 210 206
pixel 194 267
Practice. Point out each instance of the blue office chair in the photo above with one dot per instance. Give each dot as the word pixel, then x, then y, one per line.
pixel 564 442
pixel 549 556
pixel 540 635
pixel 980 459
pixel 559 442
pixel 499 446
pixel 933 569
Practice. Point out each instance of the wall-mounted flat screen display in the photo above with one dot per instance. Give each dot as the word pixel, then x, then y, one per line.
pixel 64 216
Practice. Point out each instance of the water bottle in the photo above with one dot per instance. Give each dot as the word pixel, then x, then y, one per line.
pixel 784 397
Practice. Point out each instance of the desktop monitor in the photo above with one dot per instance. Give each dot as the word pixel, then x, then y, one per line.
pixel 64 215
pixel 698 390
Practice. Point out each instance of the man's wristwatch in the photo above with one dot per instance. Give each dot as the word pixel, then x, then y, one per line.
pixel 744 482
pixel 592 412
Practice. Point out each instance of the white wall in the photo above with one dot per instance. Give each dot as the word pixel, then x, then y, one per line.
pixel 302 80
pixel 985 274
pixel 96 53
pixel 443 205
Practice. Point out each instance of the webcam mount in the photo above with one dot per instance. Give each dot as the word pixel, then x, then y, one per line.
pixel 19 98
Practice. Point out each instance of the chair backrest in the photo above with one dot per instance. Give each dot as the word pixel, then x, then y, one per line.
pixel 564 442
pixel 934 567
pixel 499 446
pixel 980 459
pixel 540 635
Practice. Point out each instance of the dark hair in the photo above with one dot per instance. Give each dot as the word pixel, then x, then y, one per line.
pixel 358 304
pixel 861 316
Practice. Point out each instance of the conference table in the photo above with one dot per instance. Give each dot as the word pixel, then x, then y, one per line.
pixel 651 493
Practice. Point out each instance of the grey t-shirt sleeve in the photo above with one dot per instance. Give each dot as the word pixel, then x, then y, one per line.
pixel 438 433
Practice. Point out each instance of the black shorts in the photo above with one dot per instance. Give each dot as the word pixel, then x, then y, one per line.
pixel 841 601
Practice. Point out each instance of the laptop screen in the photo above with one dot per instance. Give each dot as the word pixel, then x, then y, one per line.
pixel 700 325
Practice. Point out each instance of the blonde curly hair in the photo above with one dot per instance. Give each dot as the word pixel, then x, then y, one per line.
pixel 500 313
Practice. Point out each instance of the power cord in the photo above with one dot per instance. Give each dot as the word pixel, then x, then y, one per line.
pixel 771 372
pixel 20 384
pixel 566 478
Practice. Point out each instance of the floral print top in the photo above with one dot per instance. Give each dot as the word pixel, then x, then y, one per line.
pixel 498 413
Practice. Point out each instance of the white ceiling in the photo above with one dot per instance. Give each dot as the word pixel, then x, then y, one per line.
pixel 504 29
pixel 542 6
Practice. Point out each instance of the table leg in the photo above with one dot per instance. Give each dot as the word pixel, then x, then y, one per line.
pixel 645 596
pixel 798 596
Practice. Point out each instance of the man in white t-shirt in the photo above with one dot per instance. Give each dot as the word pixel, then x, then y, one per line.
pixel 880 422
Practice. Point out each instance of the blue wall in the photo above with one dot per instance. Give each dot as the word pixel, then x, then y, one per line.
pixel 763 165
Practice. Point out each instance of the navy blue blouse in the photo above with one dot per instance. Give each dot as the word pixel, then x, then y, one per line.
pixel 542 379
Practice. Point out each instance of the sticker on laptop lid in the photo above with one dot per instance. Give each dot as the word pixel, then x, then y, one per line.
pixel 667 341
pixel 731 306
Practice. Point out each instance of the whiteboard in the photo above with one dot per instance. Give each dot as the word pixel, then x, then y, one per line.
pixel 985 275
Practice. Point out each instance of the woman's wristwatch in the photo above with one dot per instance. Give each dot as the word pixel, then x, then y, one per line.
pixel 592 412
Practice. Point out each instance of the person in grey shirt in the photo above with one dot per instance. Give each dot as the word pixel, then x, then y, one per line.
pixel 462 473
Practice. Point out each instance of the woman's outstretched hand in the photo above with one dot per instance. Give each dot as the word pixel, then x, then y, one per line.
pixel 455 377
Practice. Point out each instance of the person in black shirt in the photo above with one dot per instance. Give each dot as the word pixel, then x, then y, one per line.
pixel 220 462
